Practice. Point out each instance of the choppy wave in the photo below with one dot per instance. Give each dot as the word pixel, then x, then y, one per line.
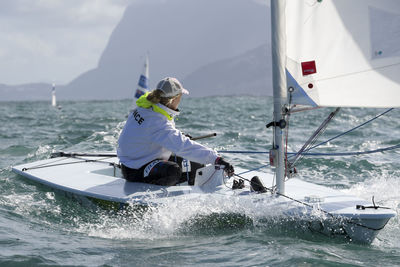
pixel 43 226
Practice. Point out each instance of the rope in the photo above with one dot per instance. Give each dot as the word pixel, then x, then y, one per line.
pixel 81 160
pixel 251 170
pixel 353 153
pixel 346 132
pixel 315 154
pixel 311 141
pixel 324 142
pixel 242 151
pixel 321 154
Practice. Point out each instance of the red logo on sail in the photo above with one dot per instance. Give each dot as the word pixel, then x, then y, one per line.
pixel 308 67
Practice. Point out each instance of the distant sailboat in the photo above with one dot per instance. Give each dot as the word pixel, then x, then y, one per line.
pixel 143 83
pixel 53 96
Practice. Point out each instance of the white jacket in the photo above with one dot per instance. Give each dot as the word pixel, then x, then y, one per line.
pixel 149 135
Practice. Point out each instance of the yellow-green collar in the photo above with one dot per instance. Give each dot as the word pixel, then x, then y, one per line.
pixel 144 103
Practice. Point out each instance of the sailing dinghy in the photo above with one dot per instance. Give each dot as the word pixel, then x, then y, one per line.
pixel 325 54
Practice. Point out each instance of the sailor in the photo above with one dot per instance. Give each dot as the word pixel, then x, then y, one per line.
pixel 151 149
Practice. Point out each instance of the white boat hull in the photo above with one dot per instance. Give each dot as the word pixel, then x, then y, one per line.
pixel 324 210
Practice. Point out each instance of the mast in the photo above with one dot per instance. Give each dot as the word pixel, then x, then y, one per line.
pixel 278 37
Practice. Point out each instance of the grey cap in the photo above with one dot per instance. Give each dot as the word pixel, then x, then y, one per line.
pixel 171 87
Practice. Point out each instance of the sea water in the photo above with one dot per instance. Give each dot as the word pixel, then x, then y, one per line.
pixel 40 226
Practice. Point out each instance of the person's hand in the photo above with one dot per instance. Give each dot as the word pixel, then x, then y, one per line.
pixel 228 167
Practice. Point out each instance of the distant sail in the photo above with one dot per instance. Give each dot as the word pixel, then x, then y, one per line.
pixel 53 96
pixel 143 84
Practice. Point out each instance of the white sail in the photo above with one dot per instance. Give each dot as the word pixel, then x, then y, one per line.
pixel 343 53
pixel 143 83
pixel 53 96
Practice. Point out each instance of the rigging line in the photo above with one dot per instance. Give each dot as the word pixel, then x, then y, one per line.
pixel 211 176
pixel 324 142
pixel 42 165
pixel 292 110
pixel 327 141
pixel 314 207
pixel 81 160
pixel 225 180
pixel 321 132
pixel 95 160
pixel 311 141
pixel 300 154
pixel 53 165
pixel 321 154
pixel 100 161
pixel 287 164
pixel 242 151
pixel 73 154
pixel 263 166
pixel 352 153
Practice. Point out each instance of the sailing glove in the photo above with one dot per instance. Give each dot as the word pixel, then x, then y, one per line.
pixel 228 167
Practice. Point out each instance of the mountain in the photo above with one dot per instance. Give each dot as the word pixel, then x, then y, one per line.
pixel 249 73
pixel 180 36
pixel 194 40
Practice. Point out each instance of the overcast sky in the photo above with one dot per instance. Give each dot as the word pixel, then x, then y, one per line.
pixel 54 40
